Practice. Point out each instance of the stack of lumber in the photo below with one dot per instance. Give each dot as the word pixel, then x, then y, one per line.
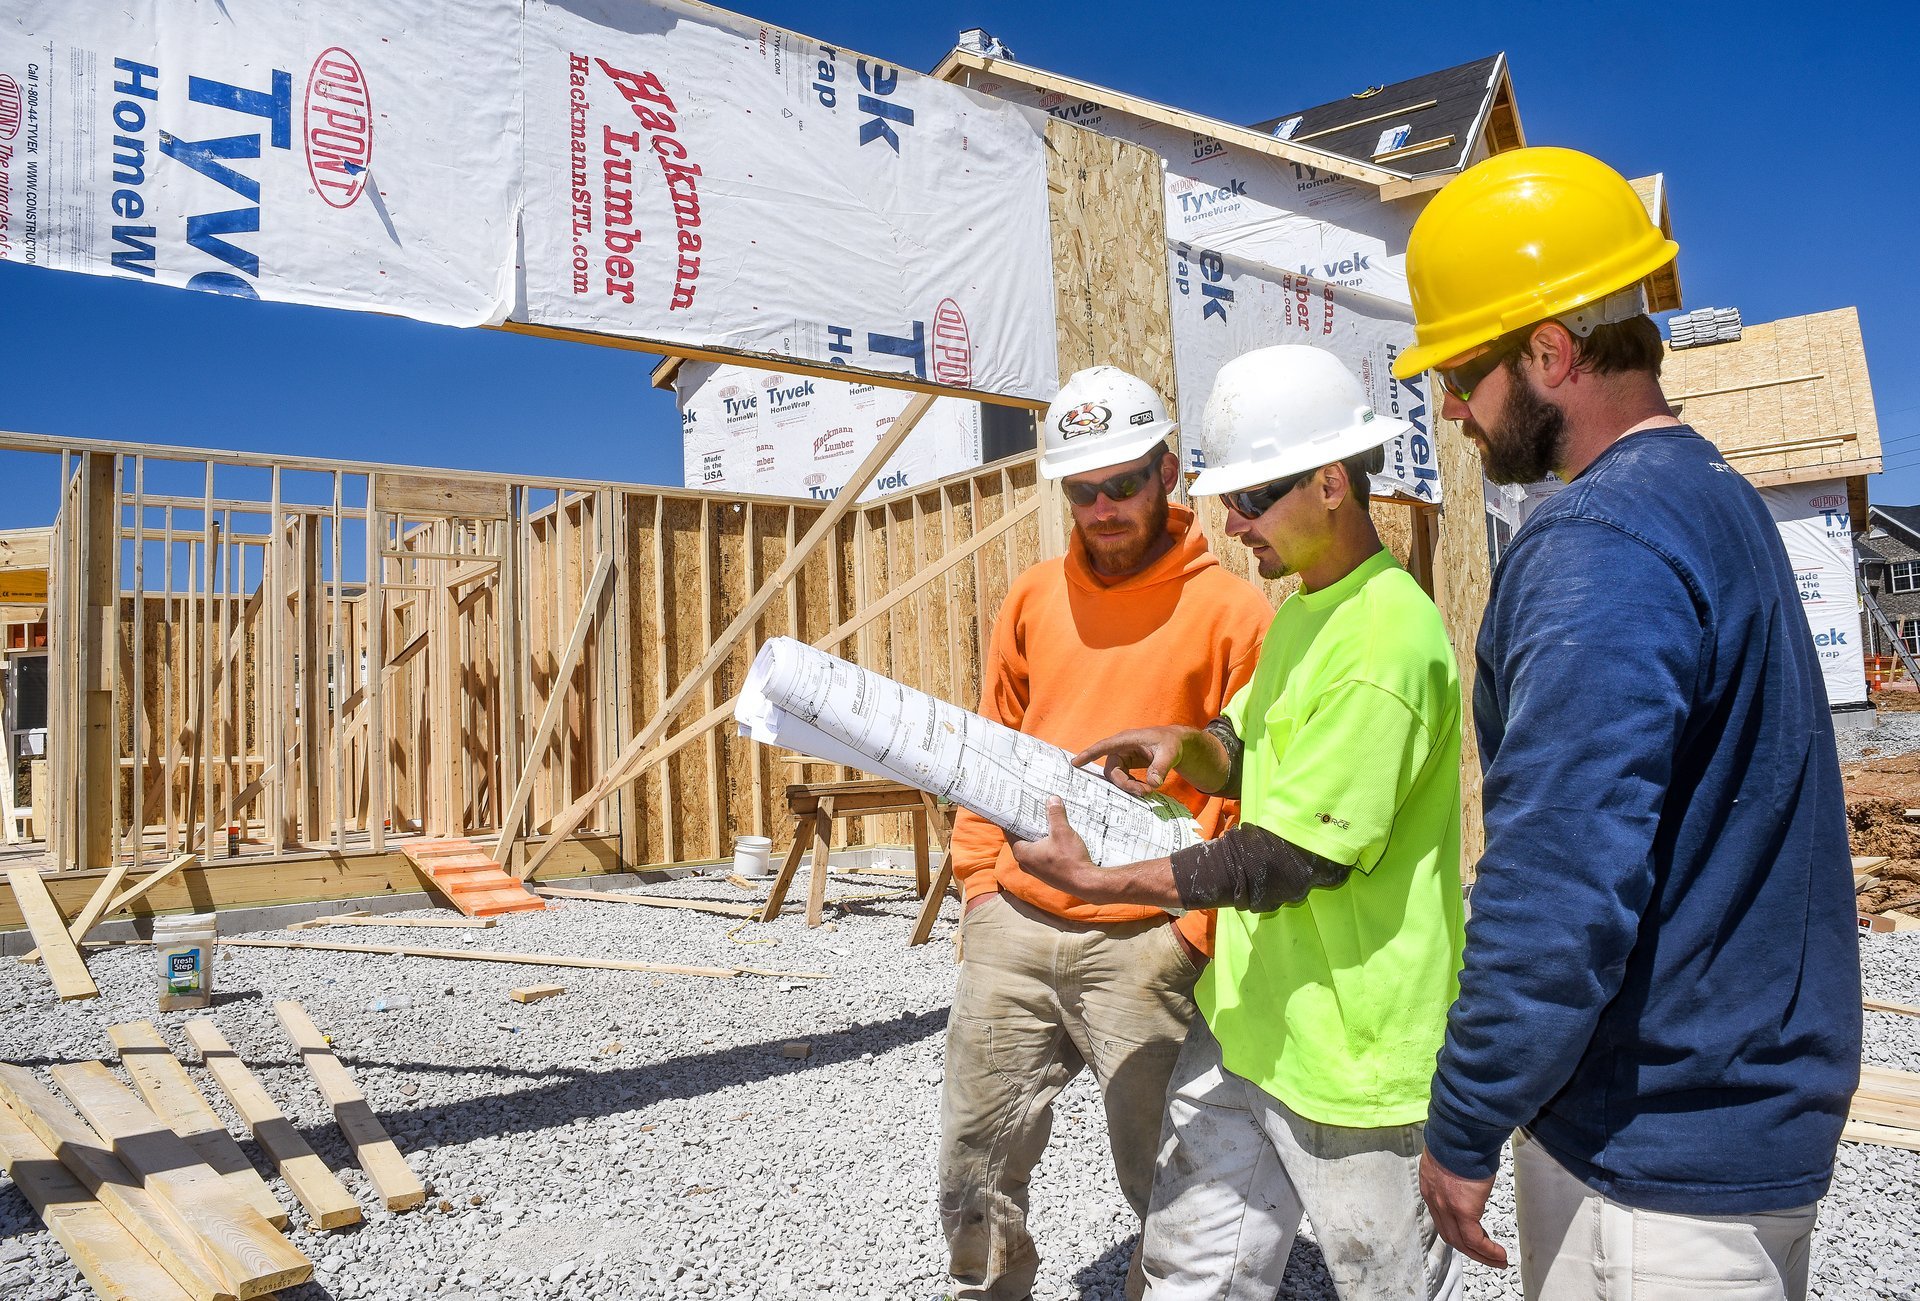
pixel 147 1191
pixel 1885 1110
pixel 469 878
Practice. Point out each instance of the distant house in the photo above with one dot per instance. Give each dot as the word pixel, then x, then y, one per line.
pixel 1889 555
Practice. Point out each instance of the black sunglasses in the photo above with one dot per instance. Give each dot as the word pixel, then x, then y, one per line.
pixel 1118 487
pixel 1463 379
pixel 1252 503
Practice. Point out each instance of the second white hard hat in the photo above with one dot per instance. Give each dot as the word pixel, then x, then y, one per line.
pixel 1103 416
pixel 1282 410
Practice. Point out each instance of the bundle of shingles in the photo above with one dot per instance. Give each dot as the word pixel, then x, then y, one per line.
pixel 150 1195
pixel 1704 325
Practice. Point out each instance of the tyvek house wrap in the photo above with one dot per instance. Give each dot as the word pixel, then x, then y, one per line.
pixel 357 156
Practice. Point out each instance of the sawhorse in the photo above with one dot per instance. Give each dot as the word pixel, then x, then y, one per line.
pixel 819 803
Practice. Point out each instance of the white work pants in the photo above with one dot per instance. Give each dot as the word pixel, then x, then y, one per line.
pixel 1576 1245
pixel 1238 1169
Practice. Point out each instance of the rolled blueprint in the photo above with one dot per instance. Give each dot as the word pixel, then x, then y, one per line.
pixel 807 700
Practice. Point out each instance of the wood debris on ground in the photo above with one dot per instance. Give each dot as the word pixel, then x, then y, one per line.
pixel 147 1191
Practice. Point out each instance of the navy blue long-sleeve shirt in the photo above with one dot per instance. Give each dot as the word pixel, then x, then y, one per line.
pixel 1662 979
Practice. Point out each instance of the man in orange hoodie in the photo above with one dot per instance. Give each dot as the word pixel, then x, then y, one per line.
pixel 1139 619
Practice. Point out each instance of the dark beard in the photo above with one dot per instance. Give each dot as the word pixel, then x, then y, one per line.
pixel 1528 437
pixel 1128 555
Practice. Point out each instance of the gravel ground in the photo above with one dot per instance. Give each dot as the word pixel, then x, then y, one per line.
pixel 1892 733
pixel 643 1137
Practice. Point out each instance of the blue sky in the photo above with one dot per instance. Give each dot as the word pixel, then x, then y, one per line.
pixel 1784 132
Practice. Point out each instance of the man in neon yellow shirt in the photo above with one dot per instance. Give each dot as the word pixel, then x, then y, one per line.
pixel 1304 1087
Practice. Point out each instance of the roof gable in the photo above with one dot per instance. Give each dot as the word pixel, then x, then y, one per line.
pixel 1443 113
pixel 1902 523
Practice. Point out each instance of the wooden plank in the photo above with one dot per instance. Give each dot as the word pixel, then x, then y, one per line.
pixel 534 993
pixel 235 1239
pixel 86 1155
pixel 110 1258
pixel 1860 1131
pixel 652 901
pixel 433 923
pixel 1876 1005
pixel 1881 1082
pixel 510 825
pixel 777 892
pixel 165 1085
pixel 64 967
pixel 521 959
pixel 958 63
pixel 822 850
pixel 306 877
pixel 99 670
pixel 936 893
pixel 326 1199
pixel 147 883
pixel 419 496
pixel 627 767
pixel 388 1171
pixel 1884 1111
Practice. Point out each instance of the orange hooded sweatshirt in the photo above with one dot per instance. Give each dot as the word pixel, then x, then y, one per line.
pixel 1075 659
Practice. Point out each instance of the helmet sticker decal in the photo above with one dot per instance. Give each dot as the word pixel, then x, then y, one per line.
pixel 1087 418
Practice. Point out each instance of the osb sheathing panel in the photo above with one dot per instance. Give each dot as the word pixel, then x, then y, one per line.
pixel 1788 401
pixel 1463 575
pixel 1106 203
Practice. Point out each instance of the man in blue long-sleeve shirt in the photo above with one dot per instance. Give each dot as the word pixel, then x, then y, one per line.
pixel 1661 981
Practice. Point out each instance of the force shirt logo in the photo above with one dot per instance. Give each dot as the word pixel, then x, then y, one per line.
pixel 1328 817
pixel 1087 418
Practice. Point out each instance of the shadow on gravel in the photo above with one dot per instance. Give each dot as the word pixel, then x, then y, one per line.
pixel 1105 1279
pixel 603 1093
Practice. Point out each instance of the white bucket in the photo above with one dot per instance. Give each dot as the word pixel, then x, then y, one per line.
pixel 752 856
pixel 185 949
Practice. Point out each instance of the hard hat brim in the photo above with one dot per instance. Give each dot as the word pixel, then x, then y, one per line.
pixel 1099 456
pixel 1351 441
pixel 1464 337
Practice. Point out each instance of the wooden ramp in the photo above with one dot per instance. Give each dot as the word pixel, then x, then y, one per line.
pixel 471 881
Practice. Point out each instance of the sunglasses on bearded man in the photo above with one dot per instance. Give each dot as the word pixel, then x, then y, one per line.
pixel 1117 487
pixel 1463 379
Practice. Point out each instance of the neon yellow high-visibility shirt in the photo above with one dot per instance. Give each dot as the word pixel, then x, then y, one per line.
pixel 1336 1005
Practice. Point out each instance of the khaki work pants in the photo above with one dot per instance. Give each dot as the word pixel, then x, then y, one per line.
pixel 1039 999
pixel 1576 1245
pixel 1238 1169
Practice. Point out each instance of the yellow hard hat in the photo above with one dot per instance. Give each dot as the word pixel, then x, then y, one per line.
pixel 1523 237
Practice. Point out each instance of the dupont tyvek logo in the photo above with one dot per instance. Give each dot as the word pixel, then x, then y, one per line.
pixel 952 345
pixel 9 107
pixel 1087 418
pixel 338 128
pixel 1827 501
pixel 814 480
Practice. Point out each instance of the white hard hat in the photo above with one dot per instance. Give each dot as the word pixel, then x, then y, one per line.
pixel 1284 410
pixel 1102 416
